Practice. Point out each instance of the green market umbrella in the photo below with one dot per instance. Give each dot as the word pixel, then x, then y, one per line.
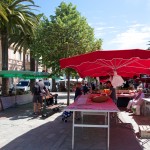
pixel 23 74
pixel 57 77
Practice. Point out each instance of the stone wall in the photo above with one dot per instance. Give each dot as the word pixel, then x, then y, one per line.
pixel 11 101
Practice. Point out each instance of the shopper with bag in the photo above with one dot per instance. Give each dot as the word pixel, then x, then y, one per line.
pixel 38 91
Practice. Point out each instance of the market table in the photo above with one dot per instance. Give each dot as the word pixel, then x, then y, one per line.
pixel 123 99
pixel 84 104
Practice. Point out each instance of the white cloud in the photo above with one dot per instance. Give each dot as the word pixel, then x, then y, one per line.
pixel 101 30
pixel 136 36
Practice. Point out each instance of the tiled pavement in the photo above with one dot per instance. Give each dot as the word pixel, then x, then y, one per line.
pixel 19 130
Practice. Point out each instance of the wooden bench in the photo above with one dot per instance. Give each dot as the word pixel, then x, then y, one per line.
pixel 54 96
pixel 53 107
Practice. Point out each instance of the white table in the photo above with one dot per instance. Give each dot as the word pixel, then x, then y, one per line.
pixel 84 104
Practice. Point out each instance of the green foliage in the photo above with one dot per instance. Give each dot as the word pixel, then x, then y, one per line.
pixel 65 35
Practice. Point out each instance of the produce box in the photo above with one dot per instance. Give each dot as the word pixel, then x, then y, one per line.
pixel 144 131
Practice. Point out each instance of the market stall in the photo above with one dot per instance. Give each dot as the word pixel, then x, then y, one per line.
pixel 122 63
pixel 85 105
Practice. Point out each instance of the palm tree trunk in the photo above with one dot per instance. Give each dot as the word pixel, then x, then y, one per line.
pixel 24 65
pixel 4 44
pixel 54 85
pixel 32 68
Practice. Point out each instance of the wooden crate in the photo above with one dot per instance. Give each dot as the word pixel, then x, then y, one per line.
pixel 144 131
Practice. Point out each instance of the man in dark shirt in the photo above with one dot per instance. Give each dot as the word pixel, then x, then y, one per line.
pixel 85 89
pixel 78 90
pixel 112 93
pixel 38 97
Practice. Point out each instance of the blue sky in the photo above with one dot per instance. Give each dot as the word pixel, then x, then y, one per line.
pixel 121 24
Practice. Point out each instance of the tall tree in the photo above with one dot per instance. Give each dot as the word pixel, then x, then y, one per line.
pixel 66 34
pixel 18 17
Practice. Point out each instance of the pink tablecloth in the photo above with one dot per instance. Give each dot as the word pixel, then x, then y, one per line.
pixel 83 103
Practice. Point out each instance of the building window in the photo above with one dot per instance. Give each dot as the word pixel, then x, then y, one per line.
pixel 20 56
pixel 27 58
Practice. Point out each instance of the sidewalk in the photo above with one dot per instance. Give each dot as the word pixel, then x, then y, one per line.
pixel 19 130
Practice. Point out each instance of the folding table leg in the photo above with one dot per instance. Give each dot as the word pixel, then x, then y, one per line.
pixel 73 129
pixel 108 134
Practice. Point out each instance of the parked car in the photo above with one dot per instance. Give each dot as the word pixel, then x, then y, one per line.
pixel 48 84
pixel 11 89
pixel 23 85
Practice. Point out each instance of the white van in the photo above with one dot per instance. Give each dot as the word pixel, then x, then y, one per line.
pixel 48 84
pixel 23 85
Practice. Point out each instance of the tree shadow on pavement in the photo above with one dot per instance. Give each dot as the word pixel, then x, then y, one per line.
pixel 18 112
pixel 57 135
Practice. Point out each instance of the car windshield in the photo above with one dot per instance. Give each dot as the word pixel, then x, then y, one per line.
pixel 23 83
pixel 46 83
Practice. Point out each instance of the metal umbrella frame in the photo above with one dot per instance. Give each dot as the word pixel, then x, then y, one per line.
pixel 126 63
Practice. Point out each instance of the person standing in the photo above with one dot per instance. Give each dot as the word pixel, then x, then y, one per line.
pixel 93 86
pixel 38 91
pixel 78 91
pixel 112 92
pixel 85 89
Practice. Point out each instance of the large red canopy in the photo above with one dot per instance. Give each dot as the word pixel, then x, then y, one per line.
pixel 100 63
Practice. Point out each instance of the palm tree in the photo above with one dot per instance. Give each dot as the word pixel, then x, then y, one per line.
pixel 3 11
pixel 16 16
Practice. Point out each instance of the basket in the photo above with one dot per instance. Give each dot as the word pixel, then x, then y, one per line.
pixel 100 99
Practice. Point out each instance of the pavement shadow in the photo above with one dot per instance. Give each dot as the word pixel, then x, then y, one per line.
pixel 24 111
pixel 18 112
pixel 125 138
pixel 57 135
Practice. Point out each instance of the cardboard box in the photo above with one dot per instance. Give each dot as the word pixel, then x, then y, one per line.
pixel 144 131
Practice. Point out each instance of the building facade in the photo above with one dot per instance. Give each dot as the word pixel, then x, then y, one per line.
pixel 15 61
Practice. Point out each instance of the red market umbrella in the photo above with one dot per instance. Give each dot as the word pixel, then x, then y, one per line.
pixel 101 63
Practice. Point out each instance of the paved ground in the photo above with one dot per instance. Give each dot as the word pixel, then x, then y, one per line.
pixel 19 130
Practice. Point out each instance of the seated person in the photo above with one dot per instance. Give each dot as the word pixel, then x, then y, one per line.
pixel 138 100
pixel 50 100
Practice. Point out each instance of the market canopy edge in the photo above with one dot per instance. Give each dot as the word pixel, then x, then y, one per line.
pixel 102 62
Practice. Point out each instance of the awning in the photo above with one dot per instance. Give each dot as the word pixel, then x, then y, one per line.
pixel 23 74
